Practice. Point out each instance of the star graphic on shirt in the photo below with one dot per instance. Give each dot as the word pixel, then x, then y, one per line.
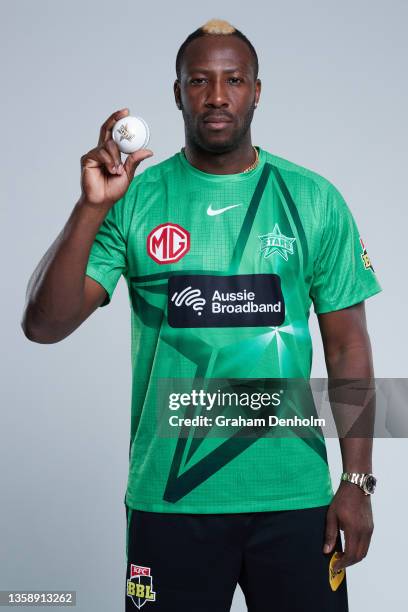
pixel 192 463
pixel 276 242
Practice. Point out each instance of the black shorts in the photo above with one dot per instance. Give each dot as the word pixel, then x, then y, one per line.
pixel 193 562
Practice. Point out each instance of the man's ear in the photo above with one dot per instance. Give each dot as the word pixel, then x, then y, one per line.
pixel 177 97
pixel 258 87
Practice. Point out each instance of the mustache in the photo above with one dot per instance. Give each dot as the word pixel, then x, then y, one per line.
pixel 218 115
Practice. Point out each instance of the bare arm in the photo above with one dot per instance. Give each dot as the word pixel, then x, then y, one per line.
pixel 59 295
pixel 348 356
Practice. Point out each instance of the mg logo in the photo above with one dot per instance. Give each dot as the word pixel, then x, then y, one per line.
pixel 168 242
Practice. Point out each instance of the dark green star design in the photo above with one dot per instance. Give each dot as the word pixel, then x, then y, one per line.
pixel 209 359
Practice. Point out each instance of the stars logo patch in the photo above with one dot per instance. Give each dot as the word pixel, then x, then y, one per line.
pixel 276 242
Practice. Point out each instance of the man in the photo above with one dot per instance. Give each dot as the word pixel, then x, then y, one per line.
pixel 224 247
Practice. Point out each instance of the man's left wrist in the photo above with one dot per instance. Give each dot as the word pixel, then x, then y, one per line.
pixel 366 481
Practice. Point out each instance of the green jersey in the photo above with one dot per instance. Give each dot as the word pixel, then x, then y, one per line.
pixel 222 271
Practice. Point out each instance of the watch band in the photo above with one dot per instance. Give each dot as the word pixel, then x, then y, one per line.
pixel 366 482
pixel 354 477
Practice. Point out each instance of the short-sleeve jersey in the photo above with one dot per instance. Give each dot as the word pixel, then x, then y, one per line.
pixel 222 271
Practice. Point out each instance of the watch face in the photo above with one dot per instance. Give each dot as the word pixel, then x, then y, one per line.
pixel 370 483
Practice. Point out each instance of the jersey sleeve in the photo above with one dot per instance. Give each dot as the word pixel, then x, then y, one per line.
pixel 107 259
pixel 344 274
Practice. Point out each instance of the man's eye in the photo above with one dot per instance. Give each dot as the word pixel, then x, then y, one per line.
pixel 196 81
pixel 235 80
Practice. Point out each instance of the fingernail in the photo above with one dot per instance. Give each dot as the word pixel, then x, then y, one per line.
pixel 326 548
pixel 120 168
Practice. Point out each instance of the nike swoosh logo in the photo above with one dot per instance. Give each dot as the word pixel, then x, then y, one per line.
pixel 218 211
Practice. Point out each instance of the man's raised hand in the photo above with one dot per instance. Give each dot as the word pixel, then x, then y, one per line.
pixel 104 179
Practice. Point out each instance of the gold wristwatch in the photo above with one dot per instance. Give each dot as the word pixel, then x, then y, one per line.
pixel 366 482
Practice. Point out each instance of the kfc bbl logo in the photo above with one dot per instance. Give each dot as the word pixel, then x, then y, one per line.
pixel 140 585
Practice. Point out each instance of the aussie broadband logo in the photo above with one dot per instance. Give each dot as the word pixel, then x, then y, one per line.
pixel 189 297
pixel 242 300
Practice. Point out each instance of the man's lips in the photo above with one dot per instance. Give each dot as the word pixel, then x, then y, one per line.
pixel 217 122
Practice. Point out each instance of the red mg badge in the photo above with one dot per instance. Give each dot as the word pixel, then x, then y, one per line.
pixel 168 242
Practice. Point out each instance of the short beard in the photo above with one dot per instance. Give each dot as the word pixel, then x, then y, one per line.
pixel 195 138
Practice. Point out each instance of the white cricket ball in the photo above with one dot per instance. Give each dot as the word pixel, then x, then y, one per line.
pixel 131 134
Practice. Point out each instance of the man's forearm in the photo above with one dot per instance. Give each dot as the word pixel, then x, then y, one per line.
pixel 55 290
pixel 357 454
pixel 353 406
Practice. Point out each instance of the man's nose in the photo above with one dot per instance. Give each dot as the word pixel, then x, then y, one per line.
pixel 217 94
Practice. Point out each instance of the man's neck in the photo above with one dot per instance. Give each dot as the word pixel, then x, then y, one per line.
pixel 231 162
